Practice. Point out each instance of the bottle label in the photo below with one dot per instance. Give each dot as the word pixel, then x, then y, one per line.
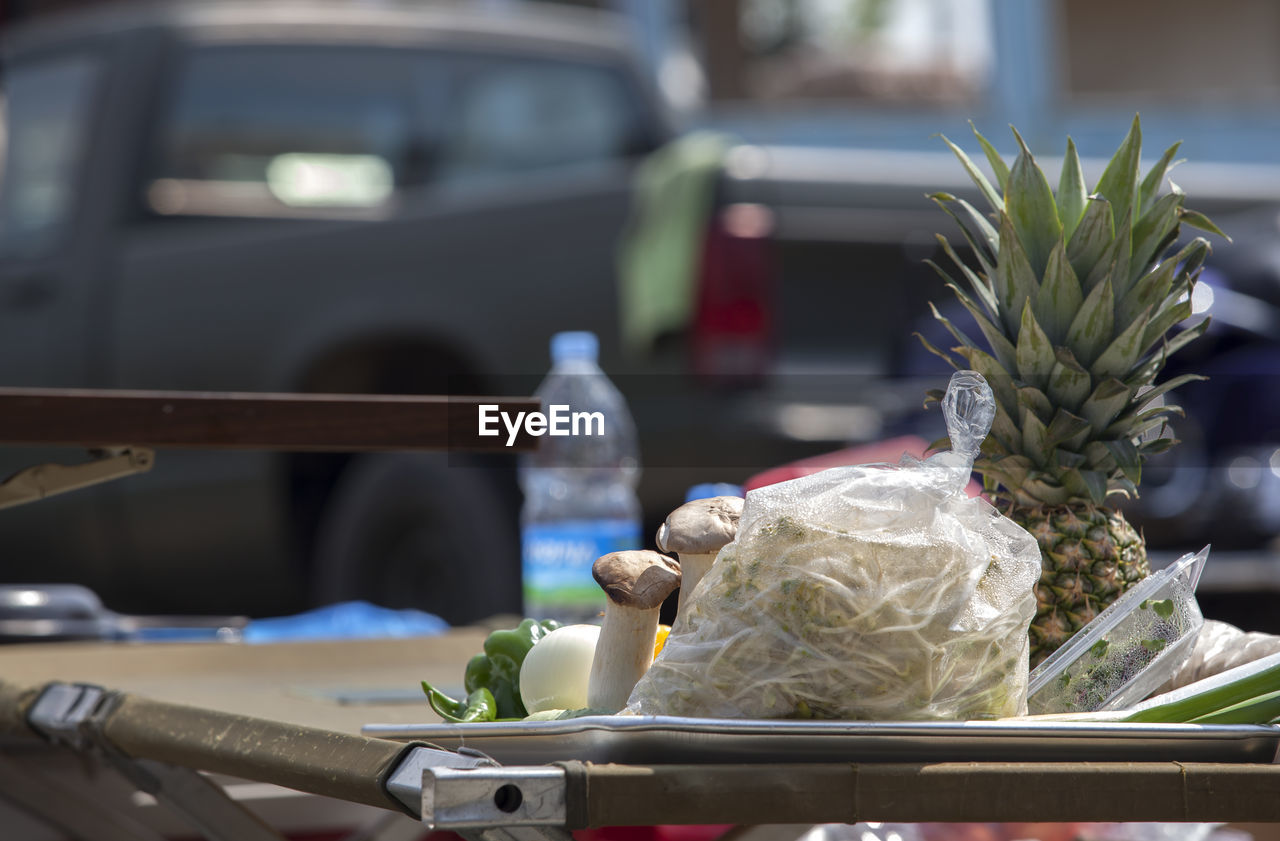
pixel 557 564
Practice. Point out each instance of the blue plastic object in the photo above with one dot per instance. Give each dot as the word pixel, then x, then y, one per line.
pixel 575 345
pixel 346 620
pixel 707 490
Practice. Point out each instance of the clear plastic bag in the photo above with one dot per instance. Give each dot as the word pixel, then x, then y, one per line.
pixel 878 592
pixel 1221 647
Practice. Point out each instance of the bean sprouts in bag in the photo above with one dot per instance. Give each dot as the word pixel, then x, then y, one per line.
pixel 879 592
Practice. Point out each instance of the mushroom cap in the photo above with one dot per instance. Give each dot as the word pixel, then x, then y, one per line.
pixel 701 526
pixel 639 578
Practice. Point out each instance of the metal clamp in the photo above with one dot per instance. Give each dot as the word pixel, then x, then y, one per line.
pixel 405 782
pixel 469 793
pixel 496 804
pixel 63 712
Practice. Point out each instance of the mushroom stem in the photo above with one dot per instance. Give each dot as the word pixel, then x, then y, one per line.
pixel 636 582
pixel 692 569
pixel 696 532
pixel 624 653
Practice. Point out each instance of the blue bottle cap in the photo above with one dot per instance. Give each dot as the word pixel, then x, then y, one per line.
pixel 707 490
pixel 575 344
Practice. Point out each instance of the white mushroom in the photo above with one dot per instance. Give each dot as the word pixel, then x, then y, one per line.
pixel 696 532
pixel 637 582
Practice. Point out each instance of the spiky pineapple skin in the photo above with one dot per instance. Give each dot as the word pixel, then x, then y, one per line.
pixel 1089 556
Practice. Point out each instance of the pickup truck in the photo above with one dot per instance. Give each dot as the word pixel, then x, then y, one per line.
pixel 281 198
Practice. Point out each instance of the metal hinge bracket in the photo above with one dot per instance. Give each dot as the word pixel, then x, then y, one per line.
pixel 43 480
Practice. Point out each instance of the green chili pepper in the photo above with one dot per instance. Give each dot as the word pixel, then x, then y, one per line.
pixel 498 668
pixel 479 705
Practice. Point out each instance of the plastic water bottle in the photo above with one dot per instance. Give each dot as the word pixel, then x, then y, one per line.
pixel 579 488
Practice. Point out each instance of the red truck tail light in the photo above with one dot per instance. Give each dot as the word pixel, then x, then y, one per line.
pixel 732 339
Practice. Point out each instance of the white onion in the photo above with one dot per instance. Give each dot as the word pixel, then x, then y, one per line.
pixel 556 670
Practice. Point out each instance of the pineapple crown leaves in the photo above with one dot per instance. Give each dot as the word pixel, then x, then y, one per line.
pixel 1076 297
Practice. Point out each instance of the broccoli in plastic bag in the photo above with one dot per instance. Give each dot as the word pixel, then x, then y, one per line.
pixel 879 592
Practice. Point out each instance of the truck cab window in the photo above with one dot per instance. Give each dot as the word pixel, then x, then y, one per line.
pixel 284 131
pixel 46 108
pixel 507 117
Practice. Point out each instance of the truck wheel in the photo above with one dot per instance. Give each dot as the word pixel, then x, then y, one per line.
pixel 425 531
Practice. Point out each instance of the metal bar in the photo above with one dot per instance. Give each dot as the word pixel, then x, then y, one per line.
pixel 324 762
pixel 1024 33
pixel 476 798
pixel 237 420
pixel 625 795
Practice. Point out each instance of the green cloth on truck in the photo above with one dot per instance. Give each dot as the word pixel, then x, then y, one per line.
pixel 675 189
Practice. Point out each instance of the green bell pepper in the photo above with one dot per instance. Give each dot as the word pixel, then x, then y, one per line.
pixel 479 705
pixel 498 668
pixel 492 679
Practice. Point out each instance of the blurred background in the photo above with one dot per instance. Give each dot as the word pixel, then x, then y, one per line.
pixel 413 197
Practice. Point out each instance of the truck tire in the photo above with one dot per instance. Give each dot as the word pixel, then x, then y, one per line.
pixel 426 531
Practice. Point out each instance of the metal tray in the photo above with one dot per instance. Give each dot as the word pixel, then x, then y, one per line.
pixel 670 739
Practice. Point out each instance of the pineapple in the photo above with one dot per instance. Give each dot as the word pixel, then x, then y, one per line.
pixel 1075 295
